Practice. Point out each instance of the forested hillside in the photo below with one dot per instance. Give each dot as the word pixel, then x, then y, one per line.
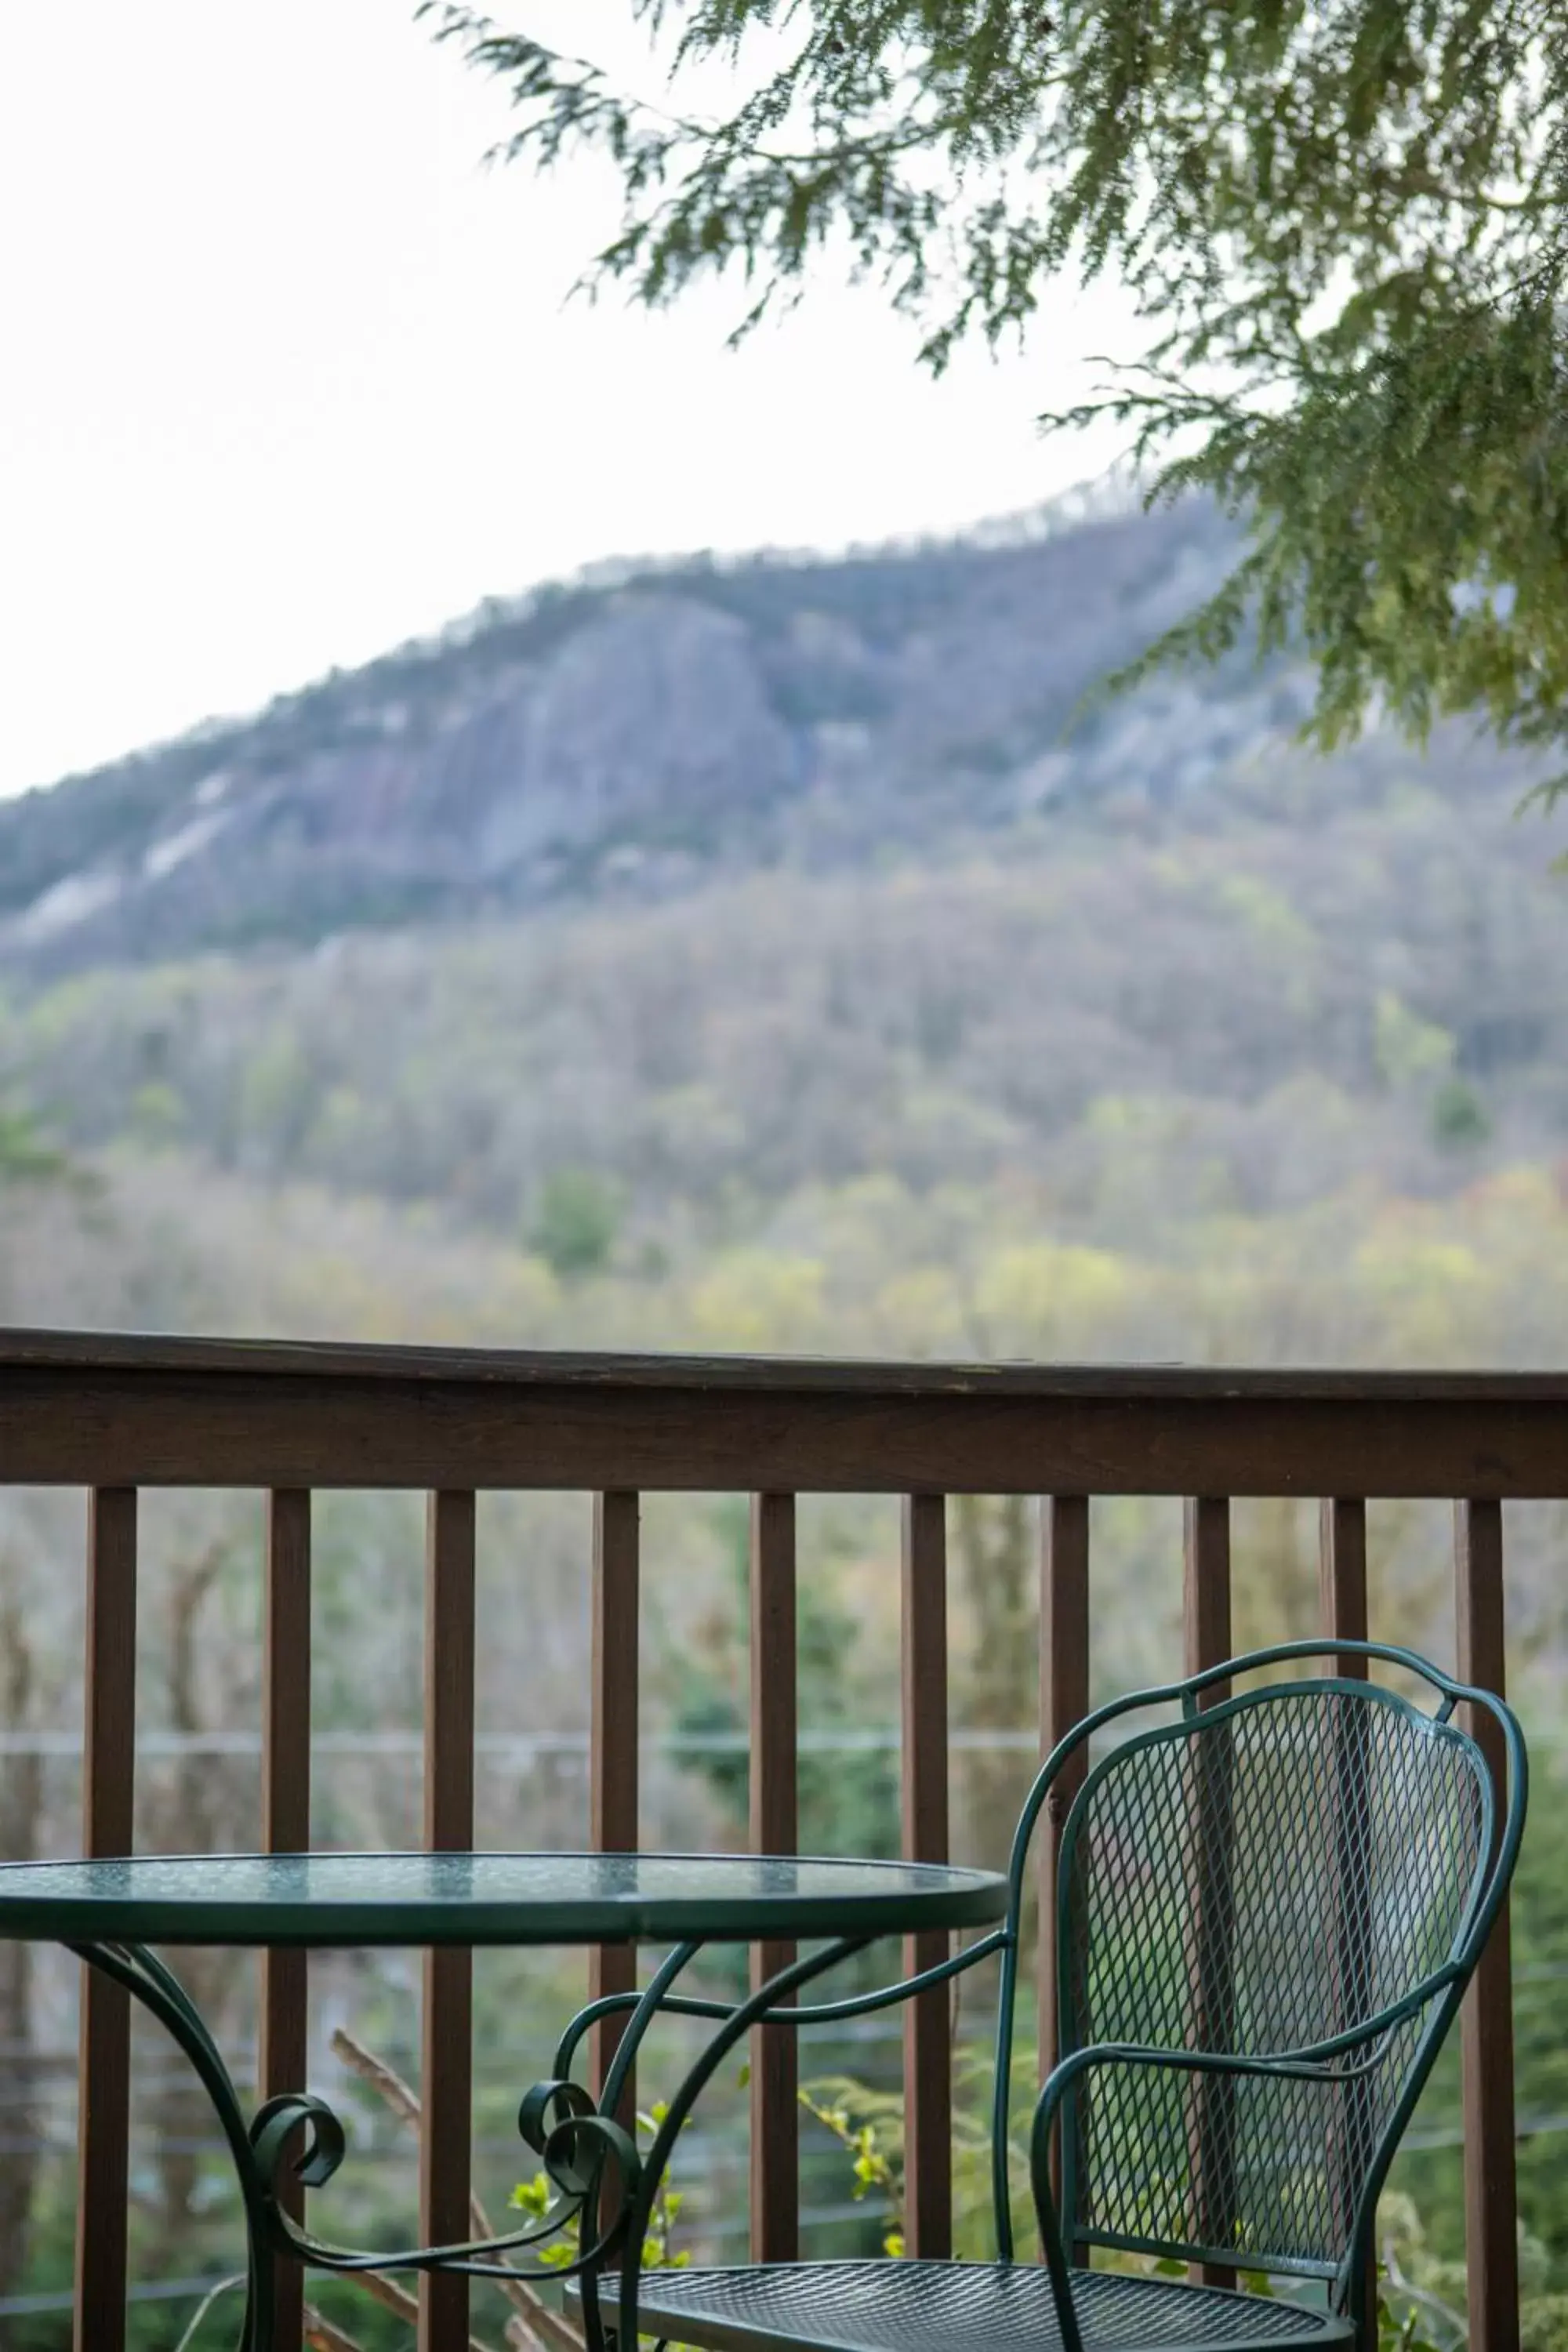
pixel 636 907
pixel 1293 981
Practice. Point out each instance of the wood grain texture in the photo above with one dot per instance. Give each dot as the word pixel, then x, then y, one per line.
pixel 928 2068
pixel 1486 2025
pixel 109 1763
pixel 1206 1589
pixel 1343 1613
pixel 1206 1638
pixel 48 1351
pixel 256 1417
pixel 1064 1703
pixel 446 2138
pixel 1342 1577
pixel 117 1412
pixel 615 1609
pixel 286 1829
pixel 774 1829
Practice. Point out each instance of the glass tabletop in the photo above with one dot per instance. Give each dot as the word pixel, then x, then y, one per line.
pixel 349 1899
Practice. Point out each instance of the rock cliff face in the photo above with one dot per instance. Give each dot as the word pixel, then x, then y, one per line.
pixel 634 736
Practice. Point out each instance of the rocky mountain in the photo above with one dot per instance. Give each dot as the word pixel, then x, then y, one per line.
pixel 634 732
pixel 710 908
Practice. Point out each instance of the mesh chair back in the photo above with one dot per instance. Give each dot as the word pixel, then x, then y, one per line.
pixel 1306 1863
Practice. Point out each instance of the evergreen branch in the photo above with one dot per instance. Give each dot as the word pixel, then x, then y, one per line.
pixel 1402 468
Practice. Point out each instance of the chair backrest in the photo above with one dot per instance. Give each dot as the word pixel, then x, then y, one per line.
pixel 1302 1866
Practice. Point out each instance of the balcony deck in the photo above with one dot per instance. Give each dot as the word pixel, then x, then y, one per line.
pixel 119 1416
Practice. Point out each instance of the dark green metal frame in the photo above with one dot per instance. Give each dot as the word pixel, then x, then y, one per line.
pixel 602 2187
pixel 1442 1989
pixel 578 2140
pixel 171 1900
pixel 297 2137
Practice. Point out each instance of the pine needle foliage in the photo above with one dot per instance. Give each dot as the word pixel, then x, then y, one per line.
pixel 1342 222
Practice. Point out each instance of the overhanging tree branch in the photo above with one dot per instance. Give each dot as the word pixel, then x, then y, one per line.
pixel 1346 214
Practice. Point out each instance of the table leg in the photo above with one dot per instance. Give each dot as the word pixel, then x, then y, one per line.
pixel 160 1992
pixel 299 2135
pixel 296 2133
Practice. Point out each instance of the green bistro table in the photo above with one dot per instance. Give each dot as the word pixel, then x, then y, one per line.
pixel 109 1913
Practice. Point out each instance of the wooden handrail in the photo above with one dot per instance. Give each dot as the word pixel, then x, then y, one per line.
pixel 21 1349
pixel 116 1414
pixel 85 1412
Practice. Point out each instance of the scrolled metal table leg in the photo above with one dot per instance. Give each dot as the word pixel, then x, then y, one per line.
pixel 160 1991
pixel 574 2141
pixel 299 2135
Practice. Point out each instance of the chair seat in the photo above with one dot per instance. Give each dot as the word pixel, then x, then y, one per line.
pixel 926 2306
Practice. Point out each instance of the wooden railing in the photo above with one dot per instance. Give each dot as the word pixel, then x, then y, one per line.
pixel 118 1415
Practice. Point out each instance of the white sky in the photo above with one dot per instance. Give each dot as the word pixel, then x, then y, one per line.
pixel 286 377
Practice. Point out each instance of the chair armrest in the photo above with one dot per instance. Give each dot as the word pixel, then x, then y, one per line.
pixel 1311 2062
pixel 1316 2062
pixel 1292 2066
pixel 820 2012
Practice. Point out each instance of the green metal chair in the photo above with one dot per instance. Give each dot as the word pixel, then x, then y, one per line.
pixel 1267 1911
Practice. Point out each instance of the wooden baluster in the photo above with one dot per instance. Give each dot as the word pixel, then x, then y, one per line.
pixel 1207 1620
pixel 613 1746
pixel 1205 1610
pixel 1064 1702
pixel 109 1758
pixel 1486 2028
pixel 286 1829
pixel 1342 1579
pixel 446 2138
pixel 928 2071
pixel 1343 1613
pixel 774 1829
